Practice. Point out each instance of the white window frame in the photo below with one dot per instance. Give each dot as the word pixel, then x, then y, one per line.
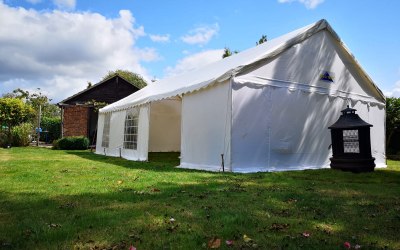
pixel 131 130
pixel 105 141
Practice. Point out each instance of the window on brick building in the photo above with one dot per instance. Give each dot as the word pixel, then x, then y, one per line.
pixel 106 131
pixel 131 129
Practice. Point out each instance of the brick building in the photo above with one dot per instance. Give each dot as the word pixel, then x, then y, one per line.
pixel 78 112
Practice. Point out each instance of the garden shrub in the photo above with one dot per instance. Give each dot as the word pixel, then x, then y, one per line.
pixel 3 139
pixel 53 126
pixel 55 144
pixel 20 134
pixel 73 142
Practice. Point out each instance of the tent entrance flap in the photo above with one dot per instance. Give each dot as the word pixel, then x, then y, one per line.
pixel 165 126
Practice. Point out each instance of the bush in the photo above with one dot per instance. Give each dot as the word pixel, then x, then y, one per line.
pixel 4 139
pixel 21 134
pixel 53 126
pixel 55 144
pixel 73 142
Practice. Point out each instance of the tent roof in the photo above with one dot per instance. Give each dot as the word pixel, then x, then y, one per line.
pixel 228 67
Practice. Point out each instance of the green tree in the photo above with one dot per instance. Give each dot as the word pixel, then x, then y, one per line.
pixel 36 99
pixel 392 118
pixel 131 77
pixel 13 111
pixel 263 39
pixel 228 52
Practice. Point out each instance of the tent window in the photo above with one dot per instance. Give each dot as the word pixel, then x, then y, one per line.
pixel 106 131
pixel 131 130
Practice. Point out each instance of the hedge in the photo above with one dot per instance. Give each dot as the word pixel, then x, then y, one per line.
pixel 72 143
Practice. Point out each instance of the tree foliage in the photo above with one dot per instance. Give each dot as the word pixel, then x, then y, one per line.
pixel 131 77
pixel 36 99
pixel 20 134
pixel 263 39
pixel 228 52
pixel 53 127
pixel 14 111
pixel 392 118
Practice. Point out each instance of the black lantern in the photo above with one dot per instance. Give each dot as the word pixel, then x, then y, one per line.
pixel 351 143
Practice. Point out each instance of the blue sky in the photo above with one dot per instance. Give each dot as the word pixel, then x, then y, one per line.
pixel 60 45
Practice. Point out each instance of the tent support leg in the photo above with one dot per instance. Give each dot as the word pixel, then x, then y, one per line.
pixel 222 163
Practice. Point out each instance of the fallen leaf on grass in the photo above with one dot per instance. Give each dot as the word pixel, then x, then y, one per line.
pixel 291 200
pixel 214 243
pixel 247 238
pixel 67 205
pixel 155 190
pixel 53 225
pixel 279 227
pixel 229 242
pixel 120 182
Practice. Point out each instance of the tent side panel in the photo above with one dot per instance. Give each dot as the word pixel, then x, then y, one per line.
pixel 206 119
pixel 100 126
pixel 117 122
pixel 277 129
pixel 116 137
pixel 165 126
pixel 376 116
pixel 141 153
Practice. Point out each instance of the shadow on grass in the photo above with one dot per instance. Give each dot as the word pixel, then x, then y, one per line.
pixel 277 210
pixel 162 162
pixel 171 208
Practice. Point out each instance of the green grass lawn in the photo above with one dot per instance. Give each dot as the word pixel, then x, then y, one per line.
pixel 78 200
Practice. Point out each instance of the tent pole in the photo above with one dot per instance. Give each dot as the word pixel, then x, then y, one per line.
pixel 222 163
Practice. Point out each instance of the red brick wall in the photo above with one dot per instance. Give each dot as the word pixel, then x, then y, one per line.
pixel 75 121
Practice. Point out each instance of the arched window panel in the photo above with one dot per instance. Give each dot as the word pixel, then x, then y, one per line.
pixel 131 129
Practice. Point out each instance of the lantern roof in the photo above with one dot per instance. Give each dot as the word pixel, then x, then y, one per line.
pixel 349 119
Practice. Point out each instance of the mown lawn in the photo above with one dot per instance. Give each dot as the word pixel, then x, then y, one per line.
pixel 78 200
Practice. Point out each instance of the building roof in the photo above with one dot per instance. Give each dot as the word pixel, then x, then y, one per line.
pixel 232 66
pixel 64 102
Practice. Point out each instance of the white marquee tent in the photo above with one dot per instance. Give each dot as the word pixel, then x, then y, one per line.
pixel 265 109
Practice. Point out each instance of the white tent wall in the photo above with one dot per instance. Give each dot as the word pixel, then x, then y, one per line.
pixel 99 138
pixel 117 123
pixel 282 110
pixel 374 115
pixel 165 126
pixel 303 64
pixel 206 120
pixel 277 129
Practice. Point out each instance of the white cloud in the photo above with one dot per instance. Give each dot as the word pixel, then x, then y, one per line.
pixel 310 4
pixel 60 51
pixel 64 4
pixel 395 92
pixel 194 61
pixel 201 35
pixel 160 38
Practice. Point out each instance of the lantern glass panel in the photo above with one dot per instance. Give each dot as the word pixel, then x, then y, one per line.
pixel 351 141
